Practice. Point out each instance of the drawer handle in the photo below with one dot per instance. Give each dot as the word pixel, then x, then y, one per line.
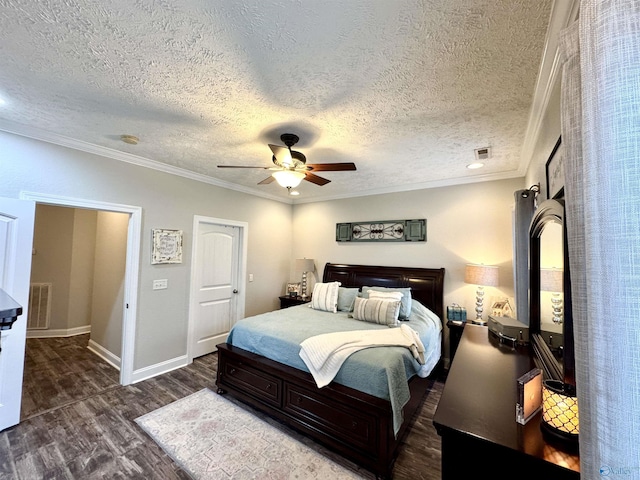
pixel 354 424
pixel 269 386
pixel 232 371
pixel 299 400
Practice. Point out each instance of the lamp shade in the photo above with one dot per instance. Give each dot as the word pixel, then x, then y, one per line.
pixel 288 178
pixel 305 264
pixel 484 275
pixel 551 279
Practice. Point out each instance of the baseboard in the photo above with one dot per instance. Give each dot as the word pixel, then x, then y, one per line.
pixel 59 332
pixel 159 368
pixel 104 354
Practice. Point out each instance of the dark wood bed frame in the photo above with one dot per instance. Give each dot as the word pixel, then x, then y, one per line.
pixel 357 425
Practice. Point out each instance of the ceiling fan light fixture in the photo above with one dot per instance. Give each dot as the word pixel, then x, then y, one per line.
pixel 288 178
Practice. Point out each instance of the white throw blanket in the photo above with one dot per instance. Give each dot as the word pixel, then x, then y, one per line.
pixel 324 354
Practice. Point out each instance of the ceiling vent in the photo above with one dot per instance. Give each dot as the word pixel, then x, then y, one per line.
pixel 483 154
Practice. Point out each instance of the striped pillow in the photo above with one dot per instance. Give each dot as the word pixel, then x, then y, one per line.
pixel 325 297
pixel 382 312
pixel 405 306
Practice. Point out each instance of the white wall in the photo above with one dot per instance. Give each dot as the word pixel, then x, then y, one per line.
pixel 108 281
pixel 52 240
pixel 465 224
pixel 64 243
pixel 169 202
pixel 82 264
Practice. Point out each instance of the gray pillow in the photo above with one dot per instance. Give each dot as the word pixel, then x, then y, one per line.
pixel 346 297
pixel 405 303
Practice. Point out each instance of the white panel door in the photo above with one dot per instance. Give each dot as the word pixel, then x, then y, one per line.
pixel 16 243
pixel 215 287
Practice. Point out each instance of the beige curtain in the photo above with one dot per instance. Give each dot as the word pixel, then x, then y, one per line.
pixel 601 135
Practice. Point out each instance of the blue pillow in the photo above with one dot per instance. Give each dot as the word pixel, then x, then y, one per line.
pixel 346 298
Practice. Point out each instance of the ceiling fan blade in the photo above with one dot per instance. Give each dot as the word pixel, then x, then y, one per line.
pixel 282 154
pixel 267 180
pixel 332 167
pixel 241 166
pixel 310 177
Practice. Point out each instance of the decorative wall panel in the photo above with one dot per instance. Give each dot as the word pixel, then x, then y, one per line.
pixel 383 231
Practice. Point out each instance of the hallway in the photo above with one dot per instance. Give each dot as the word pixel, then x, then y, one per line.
pixel 59 371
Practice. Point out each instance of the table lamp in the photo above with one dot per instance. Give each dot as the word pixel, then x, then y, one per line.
pixel 560 411
pixel 305 265
pixel 482 276
pixel 551 281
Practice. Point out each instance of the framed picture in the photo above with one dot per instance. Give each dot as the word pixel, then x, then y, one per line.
pixel 555 172
pixel 167 246
pixel 293 289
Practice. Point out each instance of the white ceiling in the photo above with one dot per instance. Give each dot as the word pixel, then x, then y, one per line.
pixel 405 89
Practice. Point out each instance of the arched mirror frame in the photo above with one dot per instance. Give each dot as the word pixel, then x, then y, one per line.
pixel 564 371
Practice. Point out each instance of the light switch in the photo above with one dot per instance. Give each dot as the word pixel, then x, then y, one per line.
pixel 160 284
pixel 251 277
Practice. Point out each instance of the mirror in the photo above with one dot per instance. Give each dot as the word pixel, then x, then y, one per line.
pixel 551 288
pixel 551 323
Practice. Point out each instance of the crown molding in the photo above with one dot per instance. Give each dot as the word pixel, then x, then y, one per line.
pixel 53 138
pixel 61 140
pixel 449 182
pixel 563 13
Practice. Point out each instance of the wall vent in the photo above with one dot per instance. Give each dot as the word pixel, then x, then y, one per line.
pixel 39 306
pixel 483 153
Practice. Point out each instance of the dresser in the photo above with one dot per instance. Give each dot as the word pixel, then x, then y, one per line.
pixel 476 417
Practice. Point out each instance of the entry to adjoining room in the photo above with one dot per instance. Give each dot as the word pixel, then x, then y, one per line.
pixel 74 327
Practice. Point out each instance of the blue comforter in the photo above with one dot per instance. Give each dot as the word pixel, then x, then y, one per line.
pixel 379 371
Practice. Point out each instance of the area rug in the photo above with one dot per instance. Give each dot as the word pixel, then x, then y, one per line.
pixel 212 437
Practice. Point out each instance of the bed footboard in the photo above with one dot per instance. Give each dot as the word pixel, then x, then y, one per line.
pixel 356 425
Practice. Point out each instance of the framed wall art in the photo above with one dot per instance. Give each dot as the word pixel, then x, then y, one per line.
pixel 383 231
pixel 555 172
pixel 167 246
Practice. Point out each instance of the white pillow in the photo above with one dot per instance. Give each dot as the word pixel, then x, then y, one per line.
pixel 397 296
pixel 383 312
pixel 325 296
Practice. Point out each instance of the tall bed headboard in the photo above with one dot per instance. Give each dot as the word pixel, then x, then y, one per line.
pixel 427 284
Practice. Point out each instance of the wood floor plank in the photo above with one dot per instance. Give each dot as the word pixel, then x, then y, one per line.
pixel 79 422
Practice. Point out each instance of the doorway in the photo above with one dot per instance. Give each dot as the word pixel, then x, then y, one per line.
pixel 132 264
pixel 74 324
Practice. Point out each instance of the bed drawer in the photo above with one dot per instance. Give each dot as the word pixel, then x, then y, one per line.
pixel 253 381
pixel 342 422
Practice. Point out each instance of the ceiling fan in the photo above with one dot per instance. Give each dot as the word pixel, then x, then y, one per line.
pixel 291 167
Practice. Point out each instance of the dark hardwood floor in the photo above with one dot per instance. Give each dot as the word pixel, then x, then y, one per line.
pixel 78 422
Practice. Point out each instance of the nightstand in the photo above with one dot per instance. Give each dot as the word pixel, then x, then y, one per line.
pixel 286 301
pixel 456 328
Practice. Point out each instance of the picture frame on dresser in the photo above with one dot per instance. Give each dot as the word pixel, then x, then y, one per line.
pixel 554 169
pixel 293 289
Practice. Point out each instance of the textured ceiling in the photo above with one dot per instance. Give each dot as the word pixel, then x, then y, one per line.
pixel 405 89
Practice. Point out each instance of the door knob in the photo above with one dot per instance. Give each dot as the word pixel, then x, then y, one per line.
pixel 235 290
